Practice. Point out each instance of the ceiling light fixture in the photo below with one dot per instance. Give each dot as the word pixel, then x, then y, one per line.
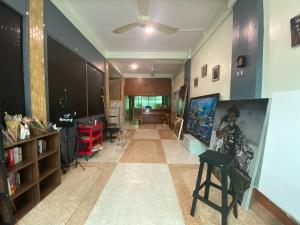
pixel 134 66
pixel 149 30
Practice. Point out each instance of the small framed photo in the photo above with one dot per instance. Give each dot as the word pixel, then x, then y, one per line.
pixel 196 82
pixel 216 73
pixel 295 31
pixel 204 71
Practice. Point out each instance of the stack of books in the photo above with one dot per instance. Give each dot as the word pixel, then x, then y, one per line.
pixel 13 182
pixel 13 156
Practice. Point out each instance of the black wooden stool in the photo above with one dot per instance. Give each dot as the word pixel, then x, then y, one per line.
pixel 225 163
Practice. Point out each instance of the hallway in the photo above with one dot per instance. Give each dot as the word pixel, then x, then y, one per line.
pixel 149 181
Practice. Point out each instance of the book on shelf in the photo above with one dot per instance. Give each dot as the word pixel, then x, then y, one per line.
pixel 13 156
pixel 41 146
pixel 13 182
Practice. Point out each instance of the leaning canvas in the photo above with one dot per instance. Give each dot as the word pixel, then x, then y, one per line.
pixel 176 102
pixel 238 129
pixel 178 127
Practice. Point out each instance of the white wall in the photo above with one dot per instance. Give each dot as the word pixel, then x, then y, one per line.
pixel 216 50
pixel 178 81
pixel 281 62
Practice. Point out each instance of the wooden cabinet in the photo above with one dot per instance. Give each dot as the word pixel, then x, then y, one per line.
pixel 36 175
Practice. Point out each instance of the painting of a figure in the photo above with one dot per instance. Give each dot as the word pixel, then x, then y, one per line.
pixel 237 131
pixel 201 116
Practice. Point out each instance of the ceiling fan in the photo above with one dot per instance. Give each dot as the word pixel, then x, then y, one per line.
pixel 144 21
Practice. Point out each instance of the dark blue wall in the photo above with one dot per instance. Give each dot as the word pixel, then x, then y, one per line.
pixel 62 30
pixel 247 40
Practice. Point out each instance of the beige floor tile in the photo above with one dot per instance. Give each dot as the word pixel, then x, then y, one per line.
pixel 144 151
pixel 162 126
pixel 167 134
pixel 146 134
pixel 148 126
pixel 176 153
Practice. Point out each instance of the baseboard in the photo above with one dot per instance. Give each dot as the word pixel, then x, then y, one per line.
pixel 272 208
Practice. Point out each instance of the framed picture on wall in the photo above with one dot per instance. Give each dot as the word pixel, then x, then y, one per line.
pixel 196 82
pixel 204 71
pixel 295 31
pixel 216 73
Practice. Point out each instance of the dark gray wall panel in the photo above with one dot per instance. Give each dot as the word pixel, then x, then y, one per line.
pixel 21 6
pixel 95 83
pixel 187 79
pixel 66 70
pixel 61 29
pixel 247 40
pixel 11 61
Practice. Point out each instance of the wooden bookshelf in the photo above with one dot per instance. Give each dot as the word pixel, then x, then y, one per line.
pixel 39 172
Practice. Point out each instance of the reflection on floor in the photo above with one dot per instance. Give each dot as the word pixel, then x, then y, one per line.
pixel 148 181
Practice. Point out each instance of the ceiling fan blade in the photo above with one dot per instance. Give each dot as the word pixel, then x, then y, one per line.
pixel 125 28
pixel 164 28
pixel 143 6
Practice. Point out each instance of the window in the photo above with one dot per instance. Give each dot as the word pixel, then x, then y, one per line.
pixel 155 102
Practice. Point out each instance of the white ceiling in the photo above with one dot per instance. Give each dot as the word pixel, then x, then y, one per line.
pixel 99 17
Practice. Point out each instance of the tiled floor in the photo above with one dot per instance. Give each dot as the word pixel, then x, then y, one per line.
pixel 149 181
pixel 138 194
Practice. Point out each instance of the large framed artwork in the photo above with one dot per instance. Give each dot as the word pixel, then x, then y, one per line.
pixel 237 130
pixel 201 116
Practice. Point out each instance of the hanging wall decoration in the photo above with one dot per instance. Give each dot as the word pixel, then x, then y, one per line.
pixel 216 73
pixel 204 71
pixel 295 30
pixel 237 130
pixel 196 82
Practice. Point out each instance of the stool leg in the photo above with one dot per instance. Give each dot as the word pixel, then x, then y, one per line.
pixel 224 196
pixel 207 182
pixel 197 189
pixel 111 136
pixel 235 209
